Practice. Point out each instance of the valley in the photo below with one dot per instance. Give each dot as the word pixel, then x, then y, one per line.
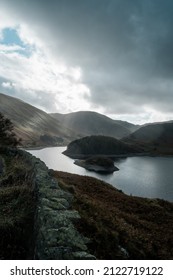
pixel 91 209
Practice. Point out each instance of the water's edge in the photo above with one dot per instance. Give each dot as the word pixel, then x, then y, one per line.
pixel 143 176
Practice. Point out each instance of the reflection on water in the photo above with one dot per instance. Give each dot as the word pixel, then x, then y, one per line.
pixel 146 176
pixel 139 176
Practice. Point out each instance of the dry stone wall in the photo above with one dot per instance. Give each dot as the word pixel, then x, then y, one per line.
pixel 56 236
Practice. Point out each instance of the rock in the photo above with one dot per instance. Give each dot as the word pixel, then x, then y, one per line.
pixel 55 203
pixel 81 255
pixel 98 164
pixel 55 232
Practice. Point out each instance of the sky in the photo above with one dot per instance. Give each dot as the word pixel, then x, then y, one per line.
pixel 114 57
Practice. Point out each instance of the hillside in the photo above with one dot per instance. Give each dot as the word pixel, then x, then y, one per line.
pixel 120 226
pixel 156 137
pixel 51 215
pixel 34 126
pixel 98 145
pixel 91 123
pixel 17 206
pixel 36 219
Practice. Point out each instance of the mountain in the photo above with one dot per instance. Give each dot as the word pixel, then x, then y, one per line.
pixel 130 126
pixel 33 125
pixel 91 123
pixel 157 137
pixel 98 145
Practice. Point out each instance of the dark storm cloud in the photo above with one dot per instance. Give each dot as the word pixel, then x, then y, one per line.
pixel 125 48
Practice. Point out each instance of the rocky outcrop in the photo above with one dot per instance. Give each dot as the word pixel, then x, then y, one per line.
pixel 57 237
pixel 55 234
pixel 98 164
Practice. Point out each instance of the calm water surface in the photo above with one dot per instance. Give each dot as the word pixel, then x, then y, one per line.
pixel 140 176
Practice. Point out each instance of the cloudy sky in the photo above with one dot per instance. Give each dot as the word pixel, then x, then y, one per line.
pixel 110 56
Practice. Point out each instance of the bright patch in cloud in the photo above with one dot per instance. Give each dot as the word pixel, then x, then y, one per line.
pixel 37 77
pixel 76 73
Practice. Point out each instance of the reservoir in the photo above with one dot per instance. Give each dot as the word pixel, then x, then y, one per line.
pixel 150 177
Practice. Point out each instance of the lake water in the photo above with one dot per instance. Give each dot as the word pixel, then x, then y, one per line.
pixel 150 177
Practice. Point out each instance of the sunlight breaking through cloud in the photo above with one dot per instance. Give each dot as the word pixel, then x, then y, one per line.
pixel 39 75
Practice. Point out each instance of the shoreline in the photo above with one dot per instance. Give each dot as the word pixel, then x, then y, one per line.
pixel 112 156
pixel 83 156
pixel 39 147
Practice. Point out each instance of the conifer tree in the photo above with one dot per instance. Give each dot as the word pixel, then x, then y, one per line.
pixel 7 136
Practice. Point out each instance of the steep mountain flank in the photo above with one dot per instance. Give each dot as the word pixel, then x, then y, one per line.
pixel 91 123
pixel 156 137
pixel 34 126
pixel 99 145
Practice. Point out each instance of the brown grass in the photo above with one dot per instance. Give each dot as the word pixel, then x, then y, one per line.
pixel 17 208
pixel 114 221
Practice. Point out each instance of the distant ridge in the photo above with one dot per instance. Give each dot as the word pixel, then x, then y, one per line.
pixel 90 123
pixel 157 137
pixel 33 125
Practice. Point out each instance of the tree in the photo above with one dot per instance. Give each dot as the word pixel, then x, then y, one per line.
pixel 7 136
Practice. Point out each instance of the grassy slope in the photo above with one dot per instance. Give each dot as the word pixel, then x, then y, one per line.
pixel 156 137
pixel 113 220
pixel 17 208
pixel 30 122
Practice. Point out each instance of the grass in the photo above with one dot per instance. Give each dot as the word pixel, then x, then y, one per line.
pixel 120 226
pixel 17 208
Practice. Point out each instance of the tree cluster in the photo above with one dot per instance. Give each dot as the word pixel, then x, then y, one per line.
pixel 7 136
